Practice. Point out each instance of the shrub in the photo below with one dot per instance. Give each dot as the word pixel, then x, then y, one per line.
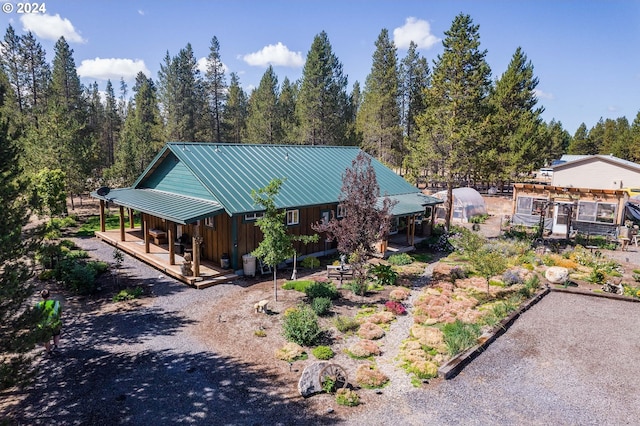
pixel 597 276
pixel 310 262
pixel 370 331
pixel 422 368
pixel 98 266
pixel 128 294
pixel 323 352
pixel 345 324
pixel 80 278
pixel 301 326
pixel 511 277
pixel 347 397
pixel 359 287
pixel 291 352
pixel 322 289
pixel 395 307
pixel 398 294
pixel 458 273
pixel 370 377
pixel 384 274
pixel 321 305
pixel 363 349
pixel 400 259
pixel 459 336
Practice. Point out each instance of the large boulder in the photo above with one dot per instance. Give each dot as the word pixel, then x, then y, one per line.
pixel 309 383
pixel 557 275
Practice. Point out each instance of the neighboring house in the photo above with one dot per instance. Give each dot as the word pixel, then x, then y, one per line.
pixel 595 172
pixel 201 193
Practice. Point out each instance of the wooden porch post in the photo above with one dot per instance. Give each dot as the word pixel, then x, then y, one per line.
pixel 433 218
pixel 122 236
pixel 145 232
pixel 102 222
pixel 197 239
pixel 132 219
pixel 171 236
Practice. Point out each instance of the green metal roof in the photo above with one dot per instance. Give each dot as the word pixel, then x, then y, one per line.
pixel 414 203
pixel 174 207
pixel 227 173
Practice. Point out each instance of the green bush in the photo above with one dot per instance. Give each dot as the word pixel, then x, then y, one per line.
pixel 384 274
pixel 128 294
pixel 322 289
pixel 81 278
pixel 321 305
pixel 400 259
pixel 345 324
pixel 323 352
pixel 99 266
pixel 301 326
pixel 358 286
pixel 310 262
pixel 347 397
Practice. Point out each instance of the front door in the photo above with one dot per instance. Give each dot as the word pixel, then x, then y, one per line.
pixel 561 214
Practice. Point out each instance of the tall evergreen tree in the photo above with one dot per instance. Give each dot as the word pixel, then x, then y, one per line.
pixel 14 65
pixel 287 112
pixel 234 113
pixel 581 144
pixel 66 87
pixel 322 101
pixel 517 138
pixel 634 135
pixel 111 126
pixel 414 81
pixel 263 119
pixel 216 88
pixel 38 74
pixel 379 116
pixel 451 127
pixel 15 325
pixel 558 141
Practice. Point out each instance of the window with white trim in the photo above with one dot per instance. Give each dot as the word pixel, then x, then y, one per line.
pixel 252 216
pixel 341 210
pixel 293 217
pixel 592 211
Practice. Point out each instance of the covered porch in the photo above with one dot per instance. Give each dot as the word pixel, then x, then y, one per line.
pixel 206 274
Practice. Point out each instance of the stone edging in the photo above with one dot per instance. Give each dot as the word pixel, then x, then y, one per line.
pixel 451 369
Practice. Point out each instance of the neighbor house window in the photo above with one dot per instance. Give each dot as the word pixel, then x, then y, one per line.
pixel 210 222
pixel 530 206
pixel 341 211
pixel 252 216
pixel 293 217
pixel 591 211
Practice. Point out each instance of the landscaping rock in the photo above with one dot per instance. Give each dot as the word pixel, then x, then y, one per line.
pixel 556 275
pixel 309 383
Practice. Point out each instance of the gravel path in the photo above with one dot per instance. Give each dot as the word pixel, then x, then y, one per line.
pixel 569 360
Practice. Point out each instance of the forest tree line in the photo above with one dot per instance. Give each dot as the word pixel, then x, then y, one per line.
pixel 448 121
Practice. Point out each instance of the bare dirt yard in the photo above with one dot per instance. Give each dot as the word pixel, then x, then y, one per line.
pixel 182 355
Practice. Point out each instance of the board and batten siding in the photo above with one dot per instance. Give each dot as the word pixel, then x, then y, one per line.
pixel 595 174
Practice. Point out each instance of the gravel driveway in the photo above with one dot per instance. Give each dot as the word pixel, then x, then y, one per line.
pixel 569 360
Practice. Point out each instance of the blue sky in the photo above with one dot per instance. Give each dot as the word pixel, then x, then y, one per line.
pixel 585 53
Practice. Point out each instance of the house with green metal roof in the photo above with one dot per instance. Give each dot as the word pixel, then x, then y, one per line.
pixel 201 192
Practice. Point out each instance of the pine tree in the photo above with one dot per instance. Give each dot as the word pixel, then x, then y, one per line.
pixel 234 113
pixel 558 141
pixel 414 78
pixel 66 87
pixel 14 65
pixel 216 87
pixel 287 112
pixel 580 143
pixel 516 135
pixel 322 102
pixel 263 120
pixel 634 134
pixel 451 127
pixel 15 325
pixel 38 74
pixel 111 126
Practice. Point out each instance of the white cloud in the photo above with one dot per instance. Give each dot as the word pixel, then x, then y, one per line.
pixel 112 68
pixel 141 12
pixel 416 30
pixel 543 95
pixel 275 54
pixel 201 65
pixel 51 27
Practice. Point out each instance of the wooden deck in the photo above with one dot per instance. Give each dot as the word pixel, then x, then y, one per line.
pixel 158 257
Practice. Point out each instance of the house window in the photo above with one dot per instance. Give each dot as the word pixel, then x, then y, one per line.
pixel 210 222
pixel 293 217
pixel 252 216
pixel 591 211
pixel 530 206
pixel 341 210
